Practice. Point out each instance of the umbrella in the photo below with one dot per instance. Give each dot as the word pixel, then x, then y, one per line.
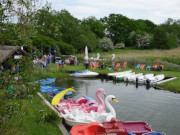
pixel 86 53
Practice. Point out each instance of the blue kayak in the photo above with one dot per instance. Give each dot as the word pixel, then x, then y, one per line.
pixel 52 91
pixel 46 81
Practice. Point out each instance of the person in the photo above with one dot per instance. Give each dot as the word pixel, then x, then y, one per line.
pixel 59 63
pixel 2 68
pixel 86 63
pixel 71 61
pixel 75 61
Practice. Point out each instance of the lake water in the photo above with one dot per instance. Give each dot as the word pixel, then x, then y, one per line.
pixel 159 108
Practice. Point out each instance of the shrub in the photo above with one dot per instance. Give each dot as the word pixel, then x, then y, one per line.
pixel 106 44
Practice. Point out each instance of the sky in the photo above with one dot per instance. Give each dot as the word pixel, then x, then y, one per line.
pixel 157 11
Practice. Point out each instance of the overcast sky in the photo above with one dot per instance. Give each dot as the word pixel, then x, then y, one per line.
pixel 156 11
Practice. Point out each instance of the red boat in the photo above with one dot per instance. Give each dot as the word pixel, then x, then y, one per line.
pixel 111 128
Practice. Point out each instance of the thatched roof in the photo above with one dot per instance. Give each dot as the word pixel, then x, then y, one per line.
pixel 7 52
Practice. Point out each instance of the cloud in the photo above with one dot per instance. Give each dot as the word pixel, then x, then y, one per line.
pixel 155 10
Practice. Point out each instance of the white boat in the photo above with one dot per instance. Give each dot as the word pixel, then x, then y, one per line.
pixel 84 73
pixel 125 75
pixel 155 79
pixel 119 73
pixel 132 77
pixel 142 79
pixel 77 117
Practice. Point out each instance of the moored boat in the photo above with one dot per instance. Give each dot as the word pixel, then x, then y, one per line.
pixel 118 73
pixel 132 77
pixel 84 73
pixel 112 127
pixel 46 81
pixel 142 79
pixel 121 77
pixel 155 79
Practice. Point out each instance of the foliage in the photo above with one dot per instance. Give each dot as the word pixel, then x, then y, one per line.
pixel 46 41
pixel 172 42
pixel 65 49
pixel 106 44
pixel 160 38
pixel 95 25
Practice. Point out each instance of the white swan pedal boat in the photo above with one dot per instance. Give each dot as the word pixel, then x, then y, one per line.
pixel 77 117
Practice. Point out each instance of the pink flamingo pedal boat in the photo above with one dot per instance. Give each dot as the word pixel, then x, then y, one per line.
pixel 83 103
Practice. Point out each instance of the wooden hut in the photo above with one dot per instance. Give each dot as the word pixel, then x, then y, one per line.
pixel 7 52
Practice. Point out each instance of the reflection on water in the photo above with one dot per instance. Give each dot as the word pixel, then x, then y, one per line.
pixel 159 108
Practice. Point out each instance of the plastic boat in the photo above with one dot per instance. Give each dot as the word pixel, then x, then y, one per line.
pixel 84 103
pixel 84 73
pixel 113 127
pixel 132 77
pixel 142 79
pixel 121 77
pixel 46 81
pixel 155 79
pixel 119 73
pixel 52 91
pixel 77 117
pixel 47 89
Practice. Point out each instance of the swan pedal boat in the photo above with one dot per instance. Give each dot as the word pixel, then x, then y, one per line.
pixel 84 73
pixel 84 103
pixel 77 117
pixel 113 127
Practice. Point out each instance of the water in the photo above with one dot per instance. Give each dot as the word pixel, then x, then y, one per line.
pixel 159 108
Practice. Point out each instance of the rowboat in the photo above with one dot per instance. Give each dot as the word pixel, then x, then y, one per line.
pixel 132 77
pixel 142 79
pixel 118 73
pixel 84 73
pixel 122 76
pixel 155 79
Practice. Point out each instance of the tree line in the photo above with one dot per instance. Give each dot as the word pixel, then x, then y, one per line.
pixel 22 22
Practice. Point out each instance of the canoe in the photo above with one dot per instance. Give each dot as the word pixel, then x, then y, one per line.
pixel 46 81
pixel 155 79
pixel 118 73
pixel 84 73
pixel 113 127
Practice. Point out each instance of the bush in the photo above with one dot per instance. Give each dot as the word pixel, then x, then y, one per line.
pixel 106 44
pixel 66 49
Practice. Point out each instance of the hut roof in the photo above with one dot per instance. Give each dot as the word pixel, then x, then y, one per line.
pixel 7 51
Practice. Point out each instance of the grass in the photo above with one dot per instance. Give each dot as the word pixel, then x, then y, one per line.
pixel 36 119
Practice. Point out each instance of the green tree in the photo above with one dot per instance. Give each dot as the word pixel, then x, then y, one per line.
pixel 118 27
pixel 160 38
pixel 95 25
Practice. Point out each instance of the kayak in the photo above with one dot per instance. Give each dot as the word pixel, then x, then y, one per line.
pixel 46 81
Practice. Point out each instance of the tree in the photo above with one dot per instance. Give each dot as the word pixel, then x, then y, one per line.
pixel 118 27
pixel 160 38
pixel 95 25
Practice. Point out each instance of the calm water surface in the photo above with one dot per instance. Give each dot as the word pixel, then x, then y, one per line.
pixel 159 108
